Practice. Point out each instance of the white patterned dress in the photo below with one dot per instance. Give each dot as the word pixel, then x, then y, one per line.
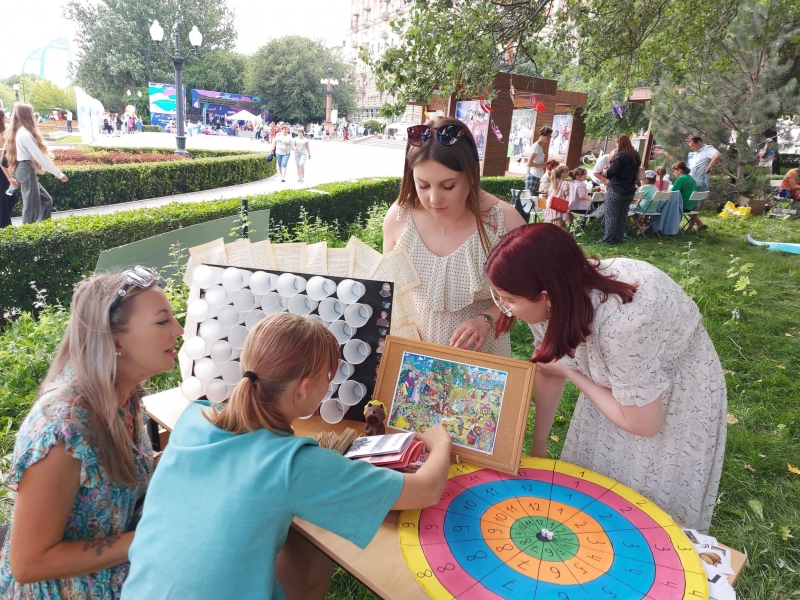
pixel 454 287
pixel 653 347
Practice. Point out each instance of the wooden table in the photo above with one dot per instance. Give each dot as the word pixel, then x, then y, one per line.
pixel 380 566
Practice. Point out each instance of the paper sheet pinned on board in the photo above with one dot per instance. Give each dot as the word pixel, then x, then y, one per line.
pixel 211 253
pixel 403 311
pixel 396 266
pixel 317 258
pixel 409 332
pixel 263 258
pixel 340 261
pixel 365 259
pixel 239 253
pixel 290 257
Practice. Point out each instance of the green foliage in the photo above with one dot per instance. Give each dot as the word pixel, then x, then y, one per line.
pixel 155 129
pixel 287 71
pixel 115 50
pixel 7 95
pixel 220 70
pixel 46 95
pixel 375 126
pixel 99 185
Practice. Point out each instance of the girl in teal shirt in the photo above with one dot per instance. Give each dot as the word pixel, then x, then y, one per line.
pixel 218 510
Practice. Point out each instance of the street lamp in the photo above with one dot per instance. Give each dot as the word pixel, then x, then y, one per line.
pixel 329 81
pixel 16 90
pixel 196 40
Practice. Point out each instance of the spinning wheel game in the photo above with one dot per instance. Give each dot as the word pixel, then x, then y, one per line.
pixel 554 531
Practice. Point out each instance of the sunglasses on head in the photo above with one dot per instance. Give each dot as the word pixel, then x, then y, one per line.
pixel 141 277
pixel 447 135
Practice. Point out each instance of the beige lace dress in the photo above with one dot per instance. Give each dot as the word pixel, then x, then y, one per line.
pixel 454 287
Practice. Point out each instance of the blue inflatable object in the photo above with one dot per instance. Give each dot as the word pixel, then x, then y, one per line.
pixel 776 246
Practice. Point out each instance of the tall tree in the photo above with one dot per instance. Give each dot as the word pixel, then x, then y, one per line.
pixel 286 74
pixel 746 90
pixel 219 70
pixel 46 95
pixel 115 52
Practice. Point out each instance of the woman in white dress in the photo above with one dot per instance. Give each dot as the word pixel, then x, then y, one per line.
pixel 449 225
pixel 653 403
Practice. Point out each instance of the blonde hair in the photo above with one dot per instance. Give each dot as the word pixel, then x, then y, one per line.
pixel 86 362
pixel 23 117
pixel 557 176
pixel 279 350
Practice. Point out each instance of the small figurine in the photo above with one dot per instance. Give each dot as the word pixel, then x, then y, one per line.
pixel 375 415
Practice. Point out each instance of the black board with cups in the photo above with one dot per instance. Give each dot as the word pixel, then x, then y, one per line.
pixel 233 299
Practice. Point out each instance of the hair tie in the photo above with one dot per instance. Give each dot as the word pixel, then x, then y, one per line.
pixel 251 376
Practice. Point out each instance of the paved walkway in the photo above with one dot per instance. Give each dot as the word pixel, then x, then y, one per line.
pixel 331 161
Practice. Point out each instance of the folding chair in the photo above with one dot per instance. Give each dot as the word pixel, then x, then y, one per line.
pixel 592 218
pixel 697 199
pixel 650 209
pixel 538 208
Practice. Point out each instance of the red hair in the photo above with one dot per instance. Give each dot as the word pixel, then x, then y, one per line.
pixel 543 257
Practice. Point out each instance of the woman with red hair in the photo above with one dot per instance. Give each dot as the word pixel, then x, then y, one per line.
pixel 653 404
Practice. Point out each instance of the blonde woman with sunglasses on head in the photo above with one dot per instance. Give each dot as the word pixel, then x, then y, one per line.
pixel 449 226
pixel 82 457
pixel 28 155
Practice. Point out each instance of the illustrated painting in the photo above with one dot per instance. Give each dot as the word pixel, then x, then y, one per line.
pixel 465 398
pixel 470 113
pixel 559 142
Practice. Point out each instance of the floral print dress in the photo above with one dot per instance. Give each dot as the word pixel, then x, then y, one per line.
pixel 102 508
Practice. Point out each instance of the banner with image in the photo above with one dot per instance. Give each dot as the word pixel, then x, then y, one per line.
pixel 471 114
pixel 520 141
pixel 559 142
pixel 163 103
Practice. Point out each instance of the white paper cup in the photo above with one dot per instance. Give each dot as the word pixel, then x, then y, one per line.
pixel 262 282
pixel 319 319
pixel 205 369
pixel 203 277
pixel 221 352
pixel 253 317
pixel 289 284
pixel 357 314
pixel 342 331
pixel 198 310
pixel 237 335
pixel 330 309
pixel 232 279
pixel 195 348
pixel 216 296
pixel 351 392
pixel 332 411
pixel 232 372
pixel 300 304
pixel 319 288
pixel 349 291
pixel 356 351
pixel 217 275
pixel 272 303
pixel 216 390
pixel 228 317
pixel 192 388
pixel 343 372
pixel 244 300
pixel 211 330
pixel 246 275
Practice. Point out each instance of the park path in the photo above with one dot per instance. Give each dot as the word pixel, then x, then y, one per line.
pixel 331 161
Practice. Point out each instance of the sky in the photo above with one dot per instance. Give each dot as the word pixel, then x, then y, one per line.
pixel 325 19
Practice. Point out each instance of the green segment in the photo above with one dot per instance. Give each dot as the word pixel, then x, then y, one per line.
pixel 523 534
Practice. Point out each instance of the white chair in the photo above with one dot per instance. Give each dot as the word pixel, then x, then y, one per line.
pixel 696 199
pixel 650 209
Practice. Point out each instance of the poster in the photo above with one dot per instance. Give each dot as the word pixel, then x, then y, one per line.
pixel 559 142
pixel 476 120
pixel 520 141
pixel 465 398
pixel 163 104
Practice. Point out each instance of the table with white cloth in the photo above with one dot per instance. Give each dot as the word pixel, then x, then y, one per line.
pixel 669 223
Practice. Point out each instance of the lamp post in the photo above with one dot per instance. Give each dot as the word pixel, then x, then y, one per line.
pixel 16 90
pixel 329 81
pixel 195 39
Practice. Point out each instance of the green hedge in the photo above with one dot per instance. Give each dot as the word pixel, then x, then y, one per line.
pixel 99 185
pixel 151 128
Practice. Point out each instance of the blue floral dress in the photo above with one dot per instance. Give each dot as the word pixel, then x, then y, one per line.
pixel 102 508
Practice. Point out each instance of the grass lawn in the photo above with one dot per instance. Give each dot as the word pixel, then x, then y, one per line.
pixel 758 510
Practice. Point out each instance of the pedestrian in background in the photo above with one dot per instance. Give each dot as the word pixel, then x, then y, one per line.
pixel 620 180
pixel 27 154
pixel 69 121
pixel 302 153
pixel 282 147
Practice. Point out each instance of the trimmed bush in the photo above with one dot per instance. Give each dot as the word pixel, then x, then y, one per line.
pixel 99 185
pixel 151 128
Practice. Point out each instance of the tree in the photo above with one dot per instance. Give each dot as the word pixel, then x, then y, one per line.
pixel 744 92
pixel 46 95
pixel 286 73
pixel 7 95
pixel 115 52
pixel 219 70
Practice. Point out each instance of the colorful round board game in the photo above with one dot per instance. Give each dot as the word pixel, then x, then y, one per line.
pixel 555 531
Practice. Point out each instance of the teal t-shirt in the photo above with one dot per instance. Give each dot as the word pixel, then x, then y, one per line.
pixel 649 191
pixel 686 185
pixel 219 507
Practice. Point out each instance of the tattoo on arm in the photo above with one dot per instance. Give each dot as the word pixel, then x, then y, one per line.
pixel 99 543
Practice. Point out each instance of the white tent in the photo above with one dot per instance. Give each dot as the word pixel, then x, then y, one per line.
pixel 243 115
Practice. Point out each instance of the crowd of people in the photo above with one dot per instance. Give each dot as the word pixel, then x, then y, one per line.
pixel 117 124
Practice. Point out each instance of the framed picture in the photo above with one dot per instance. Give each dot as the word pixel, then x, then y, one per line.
pixel 483 400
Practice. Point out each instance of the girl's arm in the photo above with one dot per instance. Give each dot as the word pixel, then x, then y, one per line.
pixel 424 488
pixel 45 498
pixel 31 147
pixel 548 389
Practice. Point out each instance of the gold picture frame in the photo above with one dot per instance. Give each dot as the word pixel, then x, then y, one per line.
pixel 482 399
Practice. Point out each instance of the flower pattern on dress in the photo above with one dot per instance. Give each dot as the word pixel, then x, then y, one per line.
pixel 102 508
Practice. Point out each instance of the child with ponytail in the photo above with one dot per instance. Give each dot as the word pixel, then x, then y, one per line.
pixel 579 201
pixel 217 514
pixel 557 197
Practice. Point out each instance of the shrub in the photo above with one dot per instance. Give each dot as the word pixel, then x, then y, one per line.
pixel 90 156
pixel 151 128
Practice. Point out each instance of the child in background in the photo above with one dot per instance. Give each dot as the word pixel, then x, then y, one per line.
pixel 559 188
pixel 662 179
pixel 649 188
pixel 579 201
pixel 218 510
